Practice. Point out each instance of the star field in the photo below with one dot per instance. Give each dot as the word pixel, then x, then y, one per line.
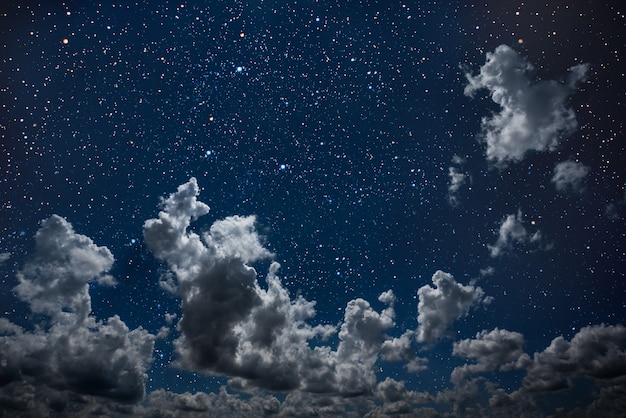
pixel 431 197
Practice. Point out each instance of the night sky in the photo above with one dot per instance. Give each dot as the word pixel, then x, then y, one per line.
pixel 312 208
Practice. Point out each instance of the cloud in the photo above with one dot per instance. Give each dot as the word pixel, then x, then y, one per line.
pixel 441 305
pixel 259 337
pixel 512 232
pixel 569 175
pixel 163 404
pixel 457 180
pixel 534 115
pixel 496 349
pixel 4 257
pixel 58 278
pixel 68 349
pixel 596 351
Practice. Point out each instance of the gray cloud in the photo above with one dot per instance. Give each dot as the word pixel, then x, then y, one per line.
pixel 58 278
pixel 259 337
pixel 533 116
pixel 457 180
pixel 511 233
pixel 71 350
pixel 597 351
pixel 441 305
pixel 569 175
pixel 4 257
pixel 496 349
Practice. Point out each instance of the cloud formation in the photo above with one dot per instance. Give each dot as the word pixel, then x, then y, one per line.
pixel 441 305
pixel 496 349
pixel 511 233
pixel 68 349
pixel 534 115
pixel 596 351
pixel 259 337
pixel 569 175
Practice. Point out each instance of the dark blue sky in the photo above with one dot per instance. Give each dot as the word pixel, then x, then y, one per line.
pixel 469 158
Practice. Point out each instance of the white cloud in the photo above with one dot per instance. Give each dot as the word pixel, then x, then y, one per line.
pixel 441 305
pixel 511 233
pixel 65 263
pixel 597 351
pixel 569 175
pixel 259 337
pixel 72 350
pixel 496 349
pixel 534 115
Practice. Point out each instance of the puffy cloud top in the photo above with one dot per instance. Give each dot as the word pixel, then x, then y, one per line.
pixel 441 305
pixel 74 351
pixel 533 116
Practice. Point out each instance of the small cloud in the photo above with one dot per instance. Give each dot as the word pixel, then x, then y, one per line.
pixel 534 115
pixel 512 232
pixel 569 175
pixel 441 305
pixel 457 180
pixel 4 257
pixel 487 271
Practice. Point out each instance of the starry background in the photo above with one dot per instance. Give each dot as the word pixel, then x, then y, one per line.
pixel 335 124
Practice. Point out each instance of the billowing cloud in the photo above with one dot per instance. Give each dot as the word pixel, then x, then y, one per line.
pixel 69 350
pixel 496 349
pixel 65 263
pixel 569 175
pixel 597 351
pixel 441 305
pixel 534 115
pixel 259 337
pixel 512 232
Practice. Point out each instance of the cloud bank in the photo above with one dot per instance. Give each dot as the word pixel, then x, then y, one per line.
pixel 69 350
pixel 534 116
pixel 259 336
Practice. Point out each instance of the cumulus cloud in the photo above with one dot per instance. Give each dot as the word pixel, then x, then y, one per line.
pixel 440 306
pixel 58 278
pixel 569 175
pixel 4 257
pixel 496 349
pixel 597 351
pixel 534 116
pixel 69 350
pixel 259 337
pixel 511 233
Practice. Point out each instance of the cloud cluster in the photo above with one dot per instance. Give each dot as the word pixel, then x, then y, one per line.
pixel 496 349
pixel 534 115
pixel 441 305
pixel 569 175
pixel 258 336
pixel 68 349
pixel 512 232
pixel 597 351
